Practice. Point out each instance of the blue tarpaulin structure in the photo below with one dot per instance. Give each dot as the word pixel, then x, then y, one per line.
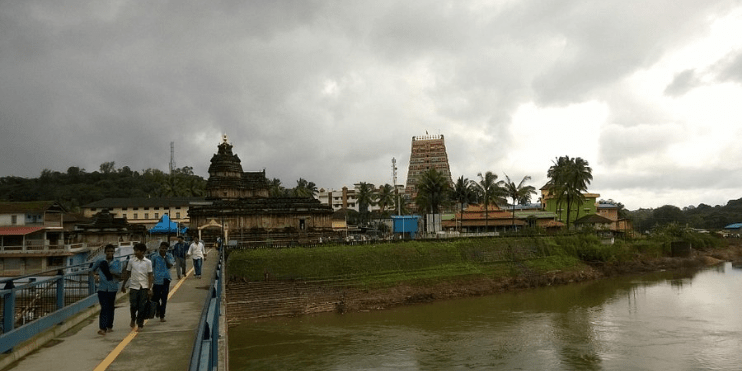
pixel 405 224
pixel 165 225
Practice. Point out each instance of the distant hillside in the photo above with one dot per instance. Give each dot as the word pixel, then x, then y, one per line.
pixel 702 216
pixel 77 187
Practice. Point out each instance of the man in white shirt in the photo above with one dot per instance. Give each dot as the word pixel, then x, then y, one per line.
pixel 198 252
pixel 139 273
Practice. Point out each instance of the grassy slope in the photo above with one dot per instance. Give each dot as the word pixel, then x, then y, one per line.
pixel 383 265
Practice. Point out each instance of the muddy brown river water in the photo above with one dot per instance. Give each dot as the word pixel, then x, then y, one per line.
pixel 689 320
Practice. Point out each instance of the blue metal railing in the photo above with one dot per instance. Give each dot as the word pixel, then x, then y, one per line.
pixel 30 305
pixel 205 355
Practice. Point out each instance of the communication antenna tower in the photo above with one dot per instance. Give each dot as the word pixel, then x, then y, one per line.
pixel 394 180
pixel 172 157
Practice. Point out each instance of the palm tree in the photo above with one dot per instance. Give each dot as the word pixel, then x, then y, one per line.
pixel 519 192
pixel 464 191
pixel 490 191
pixel 385 197
pixel 568 179
pixel 276 189
pixel 305 188
pixel 432 191
pixel 365 198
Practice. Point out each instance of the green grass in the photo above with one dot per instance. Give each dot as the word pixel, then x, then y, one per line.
pixel 389 264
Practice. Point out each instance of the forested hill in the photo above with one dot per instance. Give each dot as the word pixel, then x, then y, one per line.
pixel 702 216
pixel 78 187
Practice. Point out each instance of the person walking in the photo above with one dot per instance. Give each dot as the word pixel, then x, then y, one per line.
pixel 139 271
pixel 180 249
pixel 162 261
pixel 198 253
pixel 107 271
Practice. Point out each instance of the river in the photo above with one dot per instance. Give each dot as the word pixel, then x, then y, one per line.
pixel 662 321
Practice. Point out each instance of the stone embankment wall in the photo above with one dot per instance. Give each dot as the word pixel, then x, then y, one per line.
pixel 255 300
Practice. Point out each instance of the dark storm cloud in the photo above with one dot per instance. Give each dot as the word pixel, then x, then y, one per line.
pixel 327 90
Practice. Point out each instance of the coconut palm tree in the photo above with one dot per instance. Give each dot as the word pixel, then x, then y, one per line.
pixel 433 190
pixel 276 189
pixel 464 192
pixel 518 192
pixel 568 179
pixel 365 198
pixel 385 197
pixel 490 191
pixel 305 188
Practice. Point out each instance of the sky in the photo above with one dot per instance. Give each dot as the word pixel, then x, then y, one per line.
pixel 647 92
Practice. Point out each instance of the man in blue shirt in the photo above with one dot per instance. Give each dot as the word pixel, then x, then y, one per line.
pixel 180 249
pixel 107 271
pixel 162 261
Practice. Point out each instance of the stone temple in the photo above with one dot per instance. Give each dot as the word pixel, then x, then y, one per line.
pixel 238 205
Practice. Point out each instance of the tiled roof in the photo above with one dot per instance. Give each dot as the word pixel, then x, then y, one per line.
pixel 25 207
pixel 18 230
pixel 593 219
pixel 481 223
pixel 143 202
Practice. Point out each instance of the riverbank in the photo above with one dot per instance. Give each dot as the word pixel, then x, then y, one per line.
pixel 302 282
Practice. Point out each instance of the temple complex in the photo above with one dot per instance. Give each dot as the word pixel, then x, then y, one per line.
pixel 238 206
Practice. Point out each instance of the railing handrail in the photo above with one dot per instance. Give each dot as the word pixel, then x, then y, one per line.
pixel 205 354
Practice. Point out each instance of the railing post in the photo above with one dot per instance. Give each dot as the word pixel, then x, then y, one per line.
pixel 91 284
pixel 60 289
pixel 9 307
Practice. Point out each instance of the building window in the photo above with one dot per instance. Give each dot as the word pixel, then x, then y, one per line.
pixel 14 219
pixel 157 215
pixel 136 216
pixel 146 208
pixel 136 208
pixel 146 215
pixel 124 208
pixel 302 224
pixel 177 215
pixel 157 208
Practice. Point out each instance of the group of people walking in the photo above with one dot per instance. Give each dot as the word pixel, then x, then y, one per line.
pixel 146 277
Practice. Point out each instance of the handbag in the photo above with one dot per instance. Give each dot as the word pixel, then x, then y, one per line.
pixel 150 309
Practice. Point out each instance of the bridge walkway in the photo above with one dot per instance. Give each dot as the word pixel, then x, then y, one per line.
pixel 158 346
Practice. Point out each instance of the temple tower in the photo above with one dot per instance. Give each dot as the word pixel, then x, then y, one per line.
pixel 225 174
pixel 427 152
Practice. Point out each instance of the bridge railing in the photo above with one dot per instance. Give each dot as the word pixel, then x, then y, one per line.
pixel 32 304
pixel 205 355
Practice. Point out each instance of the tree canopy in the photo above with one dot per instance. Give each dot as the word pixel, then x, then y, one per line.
pixel 77 187
pixel 568 179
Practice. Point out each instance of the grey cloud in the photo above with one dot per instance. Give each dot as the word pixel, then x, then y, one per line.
pixel 605 41
pixel 619 144
pixel 89 82
pixel 682 83
pixel 730 68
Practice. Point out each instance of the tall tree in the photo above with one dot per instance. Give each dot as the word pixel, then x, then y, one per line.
pixel 305 188
pixel 568 179
pixel 518 192
pixel 276 189
pixel 385 197
pixel 464 192
pixel 490 192
pixel 365 198
pixel 433 189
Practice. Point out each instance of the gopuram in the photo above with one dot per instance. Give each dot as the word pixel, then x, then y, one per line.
pixel 238 207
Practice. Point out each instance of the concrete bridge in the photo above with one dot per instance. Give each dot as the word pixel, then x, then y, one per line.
pixel 75 344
